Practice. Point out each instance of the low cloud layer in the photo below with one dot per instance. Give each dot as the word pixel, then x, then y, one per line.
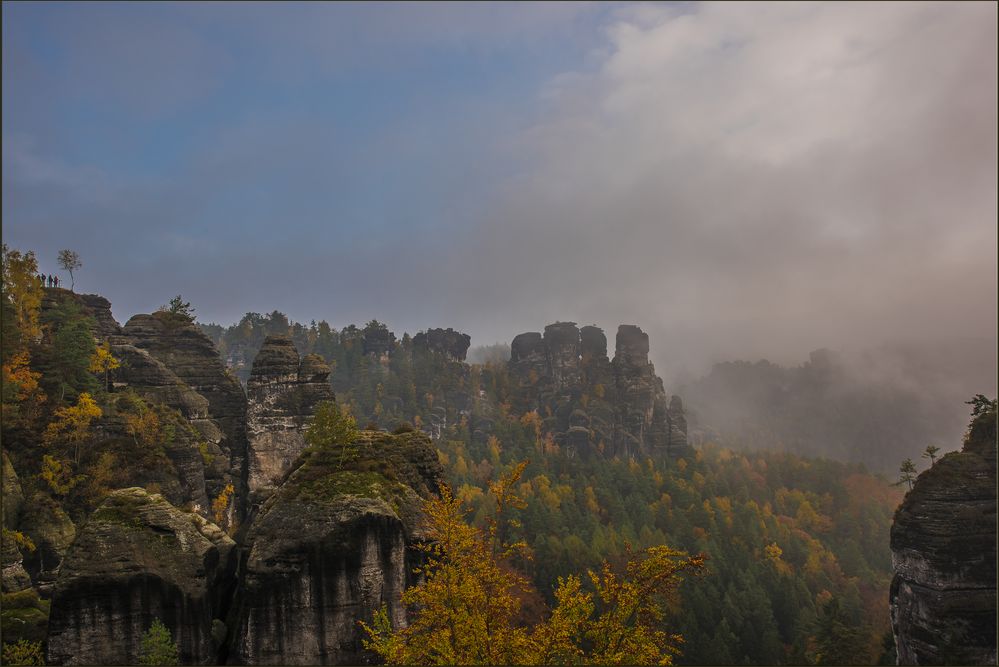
pixel 761 180
pixel 742 180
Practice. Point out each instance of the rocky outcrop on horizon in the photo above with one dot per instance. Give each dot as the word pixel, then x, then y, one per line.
pixel 282 394
pixel 139 559
pixel 448 342
pixel 943 543
pixel 591 403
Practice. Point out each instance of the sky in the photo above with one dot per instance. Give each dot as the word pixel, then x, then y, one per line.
pixel 741 180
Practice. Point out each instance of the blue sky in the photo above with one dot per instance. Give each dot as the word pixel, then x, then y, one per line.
pixel 753 180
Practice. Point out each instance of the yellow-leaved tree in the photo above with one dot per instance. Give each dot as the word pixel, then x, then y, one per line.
pixel 466 609
pixel 71 426
pixel 104 362
pixel 20 303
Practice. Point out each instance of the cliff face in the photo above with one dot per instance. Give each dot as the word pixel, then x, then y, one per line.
pixel 329 548
pixel 138 559
pixel 593 404
pixel 283 391
pixel 943 542
pixel 185 353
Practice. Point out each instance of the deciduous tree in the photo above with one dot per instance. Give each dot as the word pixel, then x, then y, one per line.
pixel 332 427
pixel 104 362
pixel 466 610
pixel 70 260
pixel 71 425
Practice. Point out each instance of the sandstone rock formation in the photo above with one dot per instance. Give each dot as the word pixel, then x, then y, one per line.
pixel 51 530
pixel 943 542
pixel 593 404
pixel 329 548
pixel 14 577
pixel 189 355
pixel 13 496
pixel 448 342
pixel 283 391
pixel 138 559
pixel 92 305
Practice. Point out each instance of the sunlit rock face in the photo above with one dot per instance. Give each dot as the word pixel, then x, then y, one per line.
pixel 593 404
pixel 282 394
pixel 943 543
pixel 329 548
pixel 137 559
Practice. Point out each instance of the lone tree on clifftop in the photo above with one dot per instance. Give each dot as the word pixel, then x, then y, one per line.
pixel 907 473
pixel 178 306
pixel 69 260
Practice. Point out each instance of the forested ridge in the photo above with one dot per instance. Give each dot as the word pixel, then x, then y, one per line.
pixel 798 561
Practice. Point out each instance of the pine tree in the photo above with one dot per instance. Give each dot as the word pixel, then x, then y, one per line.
pixel 158 647
pixel 907 473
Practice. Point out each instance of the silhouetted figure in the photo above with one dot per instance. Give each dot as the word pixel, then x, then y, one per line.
pixel 50 280
pixel 56 281
pixel 41 279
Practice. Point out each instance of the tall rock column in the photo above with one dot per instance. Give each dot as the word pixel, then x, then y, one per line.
pixel 282 394
pixel 943 544
pixel 636 383
pixel 562 349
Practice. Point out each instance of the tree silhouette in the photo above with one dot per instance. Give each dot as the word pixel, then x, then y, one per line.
pixel 69 260
pixel 907 473
pixel 931 453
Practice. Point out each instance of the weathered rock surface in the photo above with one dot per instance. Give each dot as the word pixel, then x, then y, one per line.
pixel 623 406
pixel 943 542
pixel 138 559
pixel 52 532
pixel 14 576
pixel 452 344
pixel 13 496
pixel 329 548
pixel 282 391
pixel 186 352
